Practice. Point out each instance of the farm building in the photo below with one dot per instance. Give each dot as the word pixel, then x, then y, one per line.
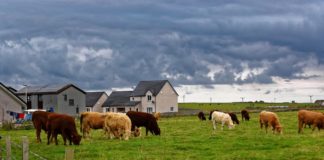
pixel 66 98
pixel 119 101
pixel 9 103
pixel 95 101
pixel 148 96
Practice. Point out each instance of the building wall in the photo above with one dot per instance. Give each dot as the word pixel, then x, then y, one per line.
pixel 8 103
pixel 79 101
pixel 145 103
pixel 98 106
pixel 166 99
pixel 115 109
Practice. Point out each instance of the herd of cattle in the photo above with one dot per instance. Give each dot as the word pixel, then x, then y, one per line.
pixel 123 126
pixel 115 125
pixel 266 119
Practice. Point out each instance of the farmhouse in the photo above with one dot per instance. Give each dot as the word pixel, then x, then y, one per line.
pixel 9 103
pixel 148 96
pixel 66 98
pixel 119 101
pixel 95 101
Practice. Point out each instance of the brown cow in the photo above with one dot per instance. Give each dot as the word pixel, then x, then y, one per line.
pixel 201 116
pixel 62 124
pixel 306 117
pixel 91 120
pixel 39 119
pixel 245 115
pixel 147 120
pixel 270 118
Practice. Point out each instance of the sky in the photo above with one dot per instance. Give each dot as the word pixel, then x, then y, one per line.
pixel 211 50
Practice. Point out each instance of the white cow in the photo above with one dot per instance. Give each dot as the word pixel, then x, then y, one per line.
pixel 223 118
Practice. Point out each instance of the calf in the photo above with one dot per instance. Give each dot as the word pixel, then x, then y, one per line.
pixel 245 115
pixel 223 118
pixel 201 116
pixel 270 118
pixel 147 120
pixel 62 124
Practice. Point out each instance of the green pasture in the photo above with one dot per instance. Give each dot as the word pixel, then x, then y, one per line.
pixel 238 106
pixel 188 138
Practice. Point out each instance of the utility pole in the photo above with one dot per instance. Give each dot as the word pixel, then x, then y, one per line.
pixel 310 98
pixel 184 96
pixel 242 99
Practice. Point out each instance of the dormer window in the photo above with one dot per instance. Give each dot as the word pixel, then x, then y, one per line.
pixel 149 97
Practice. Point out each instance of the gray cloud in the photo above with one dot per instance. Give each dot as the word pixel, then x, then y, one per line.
pixel 105 44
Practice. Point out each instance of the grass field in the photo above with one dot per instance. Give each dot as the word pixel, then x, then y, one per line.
pixel 189 138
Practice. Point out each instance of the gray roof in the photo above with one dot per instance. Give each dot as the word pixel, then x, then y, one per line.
pixel 153 86
pixel 47 89
pixel 92 98
pixel 120 98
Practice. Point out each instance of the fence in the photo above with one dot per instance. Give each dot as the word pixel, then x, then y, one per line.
pixel 69 152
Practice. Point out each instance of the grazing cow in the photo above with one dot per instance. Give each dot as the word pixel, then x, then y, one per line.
pixel 91 120
pixel 118 125
pixel 62 124
pixel 210 114
pixel 223 118
pixel 306 117
pixel 201 116
pixel 270 118
pixel 146 120
pixel 245 115
pixel 234 117
pixel 157 115
pixel 39 119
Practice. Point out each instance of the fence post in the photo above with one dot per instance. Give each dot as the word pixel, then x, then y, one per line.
pixel 8 147
pixel 69 154
pixel 25 148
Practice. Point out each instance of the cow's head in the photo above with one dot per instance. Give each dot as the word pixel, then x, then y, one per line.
pixel 157 131
pixel 279 129
pixel 76 139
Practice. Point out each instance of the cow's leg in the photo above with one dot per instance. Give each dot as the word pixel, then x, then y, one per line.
pixel 223 122
pixel 49 132
pixel 266 127
pixel 38 131
pixel 261 124
pixel 300 126
pixel 146 130
pixel 64 136
pixel 214 124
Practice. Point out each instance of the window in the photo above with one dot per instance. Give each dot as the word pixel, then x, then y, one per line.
pixel 149 109
pixel 113 109
pixel 28 98
pixel 77 110
pixel 136 109
pixel 133 98
pixel 107 109
pixel 71 102
pixel 65 97
pixel 88 109
pixel 171 109
pixel 149 97
pixel 130 109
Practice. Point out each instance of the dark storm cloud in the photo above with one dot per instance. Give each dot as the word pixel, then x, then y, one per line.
pixel 104 44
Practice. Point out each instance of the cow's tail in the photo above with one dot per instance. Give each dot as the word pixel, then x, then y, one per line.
pixel 81 122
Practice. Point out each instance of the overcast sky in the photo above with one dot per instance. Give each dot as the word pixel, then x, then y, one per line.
pixel 209 50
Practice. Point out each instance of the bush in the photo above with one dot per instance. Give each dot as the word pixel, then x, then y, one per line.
pixel 6 125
